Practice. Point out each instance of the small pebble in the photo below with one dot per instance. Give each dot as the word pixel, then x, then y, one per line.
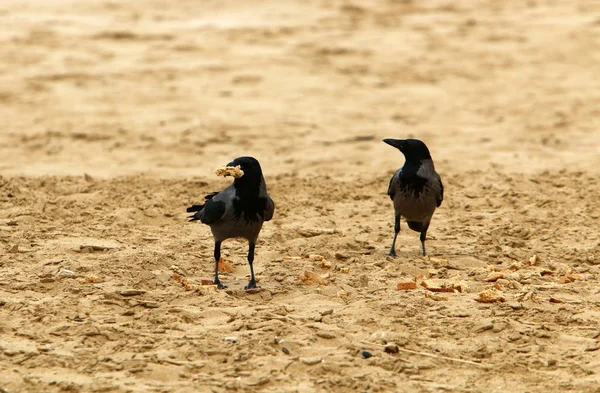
pixel 327 312
pixel 311 361
pixel 513 337
pixel 391 348
pixel 285 350
pixel 10 195
pixel 131 292
pixel 325 335
pixel 484 327
pixel 46 348
pixel 366 354
pixel 65 273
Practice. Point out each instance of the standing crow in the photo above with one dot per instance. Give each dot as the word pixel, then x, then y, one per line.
pixel 416 189
pixel 237 211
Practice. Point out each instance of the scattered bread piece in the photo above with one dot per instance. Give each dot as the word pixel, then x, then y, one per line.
pixel 406 286
pixel 309 278
pixel 569 277
pixel 225 266
pixel 438 287
pixel 490 295
pixel 494 276
pixel 234 171
pixel 325 264
pixel 533 260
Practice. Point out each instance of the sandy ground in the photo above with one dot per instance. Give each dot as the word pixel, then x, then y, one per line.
pixel 115 114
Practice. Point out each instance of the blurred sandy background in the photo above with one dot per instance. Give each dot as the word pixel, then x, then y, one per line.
pixel 114 115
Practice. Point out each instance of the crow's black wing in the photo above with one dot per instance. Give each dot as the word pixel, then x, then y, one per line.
pixel 269 208
pixel 440 196
pixel 212 211
pixel 393 186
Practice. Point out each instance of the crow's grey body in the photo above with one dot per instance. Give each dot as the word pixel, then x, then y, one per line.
pixel 233 223
pixel 416 206
pixel 237 211
pixel 416 189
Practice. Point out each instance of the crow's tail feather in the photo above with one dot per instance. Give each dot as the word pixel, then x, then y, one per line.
pixel 198 208
pixel 195 208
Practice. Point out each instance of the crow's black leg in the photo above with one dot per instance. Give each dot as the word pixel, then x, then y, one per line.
pixel 217 258
pixel 396 231
pixel 252 282
pixel 423 237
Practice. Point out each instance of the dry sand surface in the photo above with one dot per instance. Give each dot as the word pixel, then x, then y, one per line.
pixel 114 116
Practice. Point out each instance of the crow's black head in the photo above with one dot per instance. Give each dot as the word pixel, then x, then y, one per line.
pixel 252 170
pixel 413 149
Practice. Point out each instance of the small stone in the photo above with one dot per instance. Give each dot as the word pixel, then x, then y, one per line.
pixel 366 354
pixel 533 260
pixel 311 361
pixel 309 277
pixel 285 350
pixel 46 348
pixel 484 327
pixel 260 382
pixel 494 276
pixel 551 362
pixel 542 334
pixel 10 195
pixel 327 312
pixel 593 348
pixel 341 256
pixel 513 337
pixel 131 292
pixel 128 313
pixel 149 304
pixel 391 348
pixel 14 249
pixel 515 306
pixel 65 273
pixel 498 327
pixel 325 335
pixel 513 277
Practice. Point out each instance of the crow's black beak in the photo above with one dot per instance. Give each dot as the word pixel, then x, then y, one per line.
pixel 397 143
